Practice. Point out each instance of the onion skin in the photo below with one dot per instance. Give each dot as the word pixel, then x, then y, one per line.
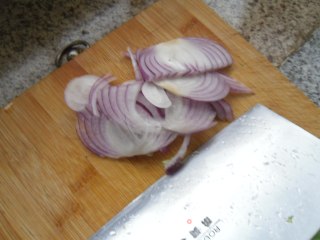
pixel 234 85
pixel 223 110
pixel 134 63
pixel 176 162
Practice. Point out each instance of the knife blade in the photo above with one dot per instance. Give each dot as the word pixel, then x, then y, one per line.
pixel 256 179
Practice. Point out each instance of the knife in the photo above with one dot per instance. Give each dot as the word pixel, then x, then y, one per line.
pixel 256 179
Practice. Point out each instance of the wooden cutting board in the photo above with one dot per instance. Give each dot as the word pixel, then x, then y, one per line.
pixel 54 188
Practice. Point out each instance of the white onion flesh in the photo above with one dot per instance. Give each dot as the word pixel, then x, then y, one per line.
pixel 77 92
pixel 156 95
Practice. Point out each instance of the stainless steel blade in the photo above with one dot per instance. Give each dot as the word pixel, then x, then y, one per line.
pixel 257 179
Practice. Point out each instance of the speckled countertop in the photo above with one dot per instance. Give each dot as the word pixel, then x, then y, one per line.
pixel 32 32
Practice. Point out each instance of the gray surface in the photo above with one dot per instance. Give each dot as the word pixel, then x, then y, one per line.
pixel 303 68
pixel 32 32
pixel 275 27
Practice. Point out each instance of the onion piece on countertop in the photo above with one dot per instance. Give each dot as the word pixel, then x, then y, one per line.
pixel 181 57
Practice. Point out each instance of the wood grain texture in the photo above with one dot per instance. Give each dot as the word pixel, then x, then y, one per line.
pixel 54 188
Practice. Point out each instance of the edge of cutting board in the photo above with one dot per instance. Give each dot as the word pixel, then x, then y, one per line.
pixel 52 187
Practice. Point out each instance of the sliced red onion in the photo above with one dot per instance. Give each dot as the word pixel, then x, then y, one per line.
pixel 95 91
pixel 223 110
pixel 176 162
pixel 107 138
pixel 77 92
pixel 219 56
pixel 156 95
pixel 129 141
pixel 90 133
pixel 186 116
pixel 134 63
pixel 118 103
pixel 147 109
pixel 181 57
pixel 176 92
pixel 235 86
pixel 205 87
